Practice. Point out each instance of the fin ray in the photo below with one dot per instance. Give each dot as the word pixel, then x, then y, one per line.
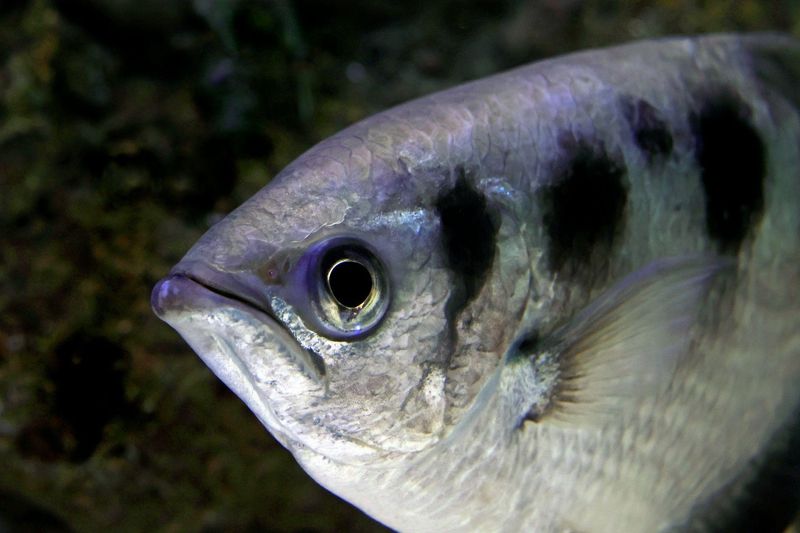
pixel 627 342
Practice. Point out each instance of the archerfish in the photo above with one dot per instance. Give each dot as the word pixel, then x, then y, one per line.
pixel 565 297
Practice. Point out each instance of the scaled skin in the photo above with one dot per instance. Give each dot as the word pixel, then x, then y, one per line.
pixel 423 429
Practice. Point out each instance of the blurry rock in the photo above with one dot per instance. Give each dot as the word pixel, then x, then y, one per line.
pixel 21 515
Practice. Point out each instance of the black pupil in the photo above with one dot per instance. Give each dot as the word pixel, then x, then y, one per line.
pixel 350 283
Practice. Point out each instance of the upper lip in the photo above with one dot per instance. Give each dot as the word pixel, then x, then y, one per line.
pixel 241 287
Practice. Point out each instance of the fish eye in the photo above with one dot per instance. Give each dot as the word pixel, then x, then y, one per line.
pixel 350 283
pixel 351 291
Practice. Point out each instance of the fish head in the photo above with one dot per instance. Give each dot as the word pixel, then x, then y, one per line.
pixel 329 304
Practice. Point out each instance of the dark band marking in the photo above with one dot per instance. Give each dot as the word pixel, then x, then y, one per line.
pixel 469 233
pixel 731 156
pixel 649 129
pixel 583 209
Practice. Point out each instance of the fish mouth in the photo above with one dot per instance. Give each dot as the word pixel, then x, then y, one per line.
pixel 193 287
pixel 240 286
pixel 241 340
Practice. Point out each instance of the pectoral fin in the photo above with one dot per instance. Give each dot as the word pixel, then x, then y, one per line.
pixel 624 345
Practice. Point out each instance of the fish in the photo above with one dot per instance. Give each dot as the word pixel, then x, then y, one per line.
pixel 561 298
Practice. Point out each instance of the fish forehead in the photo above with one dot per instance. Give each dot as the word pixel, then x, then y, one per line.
pixel 483 124
pixel 525 126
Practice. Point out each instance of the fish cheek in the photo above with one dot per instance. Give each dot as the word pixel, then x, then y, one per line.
pixel 387 389
pixel 423 409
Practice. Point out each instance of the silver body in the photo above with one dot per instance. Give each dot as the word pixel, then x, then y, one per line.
pixel 422 423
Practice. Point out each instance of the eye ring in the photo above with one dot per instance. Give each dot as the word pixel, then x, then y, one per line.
pixel 350 289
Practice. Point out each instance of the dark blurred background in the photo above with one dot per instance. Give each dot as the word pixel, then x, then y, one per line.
pixel 127 128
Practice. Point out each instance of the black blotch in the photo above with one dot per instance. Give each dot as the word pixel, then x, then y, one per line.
pixel 469 233
pixel 649 130
pixel 533 415
pixel 528 343
pixel 731 156
pixel 583 209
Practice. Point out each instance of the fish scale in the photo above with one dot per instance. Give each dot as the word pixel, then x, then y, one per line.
pixel 583 294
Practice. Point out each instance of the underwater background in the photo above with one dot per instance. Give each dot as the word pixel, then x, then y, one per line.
pixel 127 128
